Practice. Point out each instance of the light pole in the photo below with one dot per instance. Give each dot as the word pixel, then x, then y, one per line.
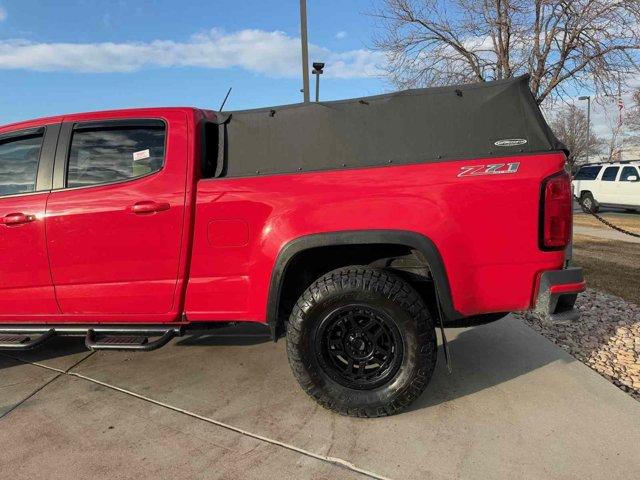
pixel 588 99
pixel 305 49
pixel 317 71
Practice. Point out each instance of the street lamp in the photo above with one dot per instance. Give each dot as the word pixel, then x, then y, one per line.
pixel 588 99
pixel 305 50
pixel 317 70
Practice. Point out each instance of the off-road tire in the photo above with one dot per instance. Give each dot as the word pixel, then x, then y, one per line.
pixel 589 203
pixel 393 298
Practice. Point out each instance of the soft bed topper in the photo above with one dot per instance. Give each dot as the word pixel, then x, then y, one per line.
pixel 490 119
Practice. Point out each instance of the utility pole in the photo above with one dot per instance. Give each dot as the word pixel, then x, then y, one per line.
pixel 305 49
pixel 588 99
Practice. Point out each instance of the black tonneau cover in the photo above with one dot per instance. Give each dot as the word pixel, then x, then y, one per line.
pixel 414 126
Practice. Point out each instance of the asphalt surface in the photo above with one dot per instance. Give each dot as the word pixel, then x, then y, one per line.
pixel 617 211
pixel 226 406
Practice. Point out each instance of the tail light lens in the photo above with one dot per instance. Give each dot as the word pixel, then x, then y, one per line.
pixel 556 213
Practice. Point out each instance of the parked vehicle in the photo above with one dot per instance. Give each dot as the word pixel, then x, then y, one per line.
pixel 614 184
pixel 354 227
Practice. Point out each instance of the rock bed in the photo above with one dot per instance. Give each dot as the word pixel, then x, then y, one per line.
pixel 606 337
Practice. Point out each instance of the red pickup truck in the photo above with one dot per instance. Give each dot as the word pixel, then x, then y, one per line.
pixel 354 227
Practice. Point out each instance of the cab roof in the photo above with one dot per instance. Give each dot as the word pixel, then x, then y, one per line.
pixel 97 115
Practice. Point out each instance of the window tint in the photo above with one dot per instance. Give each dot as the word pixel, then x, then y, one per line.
pixel 609 174
pixel 108 155
pixel 588 173
pixel 628 172
pixel 210 159
pixel 19 159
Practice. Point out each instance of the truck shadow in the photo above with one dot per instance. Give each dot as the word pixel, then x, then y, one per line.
pixel 55 348
pixel 241 334
pixel 487 356
pixel 483 357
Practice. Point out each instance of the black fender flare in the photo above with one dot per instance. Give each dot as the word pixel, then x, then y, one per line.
pixel 414 240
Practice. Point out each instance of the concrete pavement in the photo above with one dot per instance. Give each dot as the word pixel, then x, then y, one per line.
pixel 223 406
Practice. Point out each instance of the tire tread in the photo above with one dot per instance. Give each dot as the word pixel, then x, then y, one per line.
pixel 392 287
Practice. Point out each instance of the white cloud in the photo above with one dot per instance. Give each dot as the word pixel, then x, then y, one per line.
pixel 341 34
pixel 3 14
pixel 271 53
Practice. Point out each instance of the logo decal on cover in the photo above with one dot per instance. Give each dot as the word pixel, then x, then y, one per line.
pixel 510 142
pixel 492 169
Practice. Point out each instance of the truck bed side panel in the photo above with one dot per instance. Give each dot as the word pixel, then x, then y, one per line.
pixel 484 226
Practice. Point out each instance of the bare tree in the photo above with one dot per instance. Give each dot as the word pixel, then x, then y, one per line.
pixel 616 132
pixel 570 126
pixel 563 44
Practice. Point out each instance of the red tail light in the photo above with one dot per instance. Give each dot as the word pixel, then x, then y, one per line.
pixel 555 213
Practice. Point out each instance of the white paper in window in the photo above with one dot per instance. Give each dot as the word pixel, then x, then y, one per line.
pixel 141 155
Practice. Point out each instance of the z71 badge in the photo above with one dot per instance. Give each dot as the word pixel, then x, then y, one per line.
pixel 493 169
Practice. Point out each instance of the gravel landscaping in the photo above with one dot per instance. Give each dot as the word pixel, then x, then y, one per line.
pixel 606 337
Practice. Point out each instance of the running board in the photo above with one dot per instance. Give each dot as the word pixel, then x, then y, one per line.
pixel 97 336
pixel 132 341
pixel 16 341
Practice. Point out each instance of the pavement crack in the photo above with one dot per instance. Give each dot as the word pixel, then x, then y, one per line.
pixel 68 370
pixel 48 382
pixel 333 460
pixel 340 462
pixel 58 371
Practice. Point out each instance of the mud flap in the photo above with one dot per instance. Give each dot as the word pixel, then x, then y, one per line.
pixel 445 345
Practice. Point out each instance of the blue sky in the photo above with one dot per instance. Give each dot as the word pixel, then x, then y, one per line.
pixel 81 55
pixel 67 56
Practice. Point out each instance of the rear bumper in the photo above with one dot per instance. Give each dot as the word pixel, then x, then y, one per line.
pixel 557 293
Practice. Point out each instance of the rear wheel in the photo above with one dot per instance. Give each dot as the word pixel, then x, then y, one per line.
pixel 589 203
pixel 361 342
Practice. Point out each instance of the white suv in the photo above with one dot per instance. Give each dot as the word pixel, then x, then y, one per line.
pixel 608 184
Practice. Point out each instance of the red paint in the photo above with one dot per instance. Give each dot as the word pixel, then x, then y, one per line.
pixel 568 288
pixel 111 264
pixel 25 281
pixel 228 233
pixel 115 249
pixel 485 227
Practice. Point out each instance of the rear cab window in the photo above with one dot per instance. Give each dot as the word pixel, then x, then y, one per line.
pixel 19 159
pixel 588 173
pixel 610 174
pixel 112 153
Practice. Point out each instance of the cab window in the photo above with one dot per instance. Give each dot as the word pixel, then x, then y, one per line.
pixel 100 156
pixel 19 158
pixel 628 174
pixel 588 173
pixel 610 174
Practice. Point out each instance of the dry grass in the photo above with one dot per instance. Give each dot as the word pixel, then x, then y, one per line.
pixel 629 222
pixel 609 265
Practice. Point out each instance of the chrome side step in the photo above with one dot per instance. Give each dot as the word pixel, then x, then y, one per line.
pixel 25 341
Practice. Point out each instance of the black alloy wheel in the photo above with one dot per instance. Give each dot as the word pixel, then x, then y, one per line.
pixel 359 346
pixel 361 342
